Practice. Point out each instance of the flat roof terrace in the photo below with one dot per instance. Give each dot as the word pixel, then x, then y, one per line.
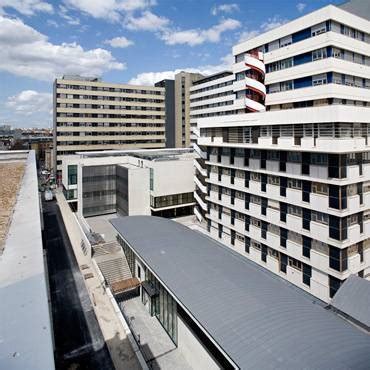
pixel 11 173
pixel 256 318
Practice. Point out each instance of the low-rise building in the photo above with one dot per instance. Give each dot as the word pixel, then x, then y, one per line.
pixel 26 331
pixel 157 182
pixel 224 311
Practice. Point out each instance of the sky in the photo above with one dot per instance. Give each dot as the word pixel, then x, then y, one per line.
pixel 122 41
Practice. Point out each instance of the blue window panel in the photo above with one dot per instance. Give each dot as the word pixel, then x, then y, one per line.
pixel 328 25
pixel 302 58
pixel 329 77
pixel 329 51
pixel 299 83
pixel 301 35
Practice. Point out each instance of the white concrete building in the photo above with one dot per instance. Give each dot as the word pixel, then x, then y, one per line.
pixel 288 176
pixel 90 114
pixel 210 96
pixel 134 182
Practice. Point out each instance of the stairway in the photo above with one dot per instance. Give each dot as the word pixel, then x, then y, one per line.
pixel 112 262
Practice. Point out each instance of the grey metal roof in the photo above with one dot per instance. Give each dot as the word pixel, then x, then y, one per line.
pixel 353 298
pixel 361 8
pixel 260 320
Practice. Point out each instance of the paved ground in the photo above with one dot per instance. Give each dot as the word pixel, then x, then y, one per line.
pixel 78 338
pixel 101 225
pixel 160 352
pixel 115 333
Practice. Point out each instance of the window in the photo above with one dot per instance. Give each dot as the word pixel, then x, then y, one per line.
pixel 151 179
pixel 286 85
pixel 318 29
pixel 295 184
pixel 273 204
pixel 319 80
pixel 295 211
pixel 320 217
pixel 255 176
pixel 319 54
pixel 320 188
pixel 295 263
pixel 72 175
pixel 273 180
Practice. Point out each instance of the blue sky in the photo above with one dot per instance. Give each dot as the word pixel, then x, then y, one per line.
pixel 136 41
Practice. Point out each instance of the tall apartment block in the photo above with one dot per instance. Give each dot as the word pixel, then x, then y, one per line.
pixel 93 115
pixel 183 83
pixel 169 87
pixel 285 179
pixel 210 96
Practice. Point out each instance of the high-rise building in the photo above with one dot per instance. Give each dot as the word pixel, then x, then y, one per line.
pixel 183 82
pixel 288 177
pixel 169 87
pixel 93 115
pixel 210 96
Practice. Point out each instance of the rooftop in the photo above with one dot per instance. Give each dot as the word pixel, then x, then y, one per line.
pixel 257 318
pixel 149 154
pixel 213 77
pixel 11 173
pixel 25 334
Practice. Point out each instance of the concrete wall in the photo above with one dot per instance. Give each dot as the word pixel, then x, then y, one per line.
pixel 194 352
pixel 139 195
pixel 173 177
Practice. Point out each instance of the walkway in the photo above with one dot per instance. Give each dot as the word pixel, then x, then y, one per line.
pixel 79 342
pixel 115 336
pixel 159 350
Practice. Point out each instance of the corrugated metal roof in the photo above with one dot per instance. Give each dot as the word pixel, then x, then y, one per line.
pixel 260 320
pixel 353 298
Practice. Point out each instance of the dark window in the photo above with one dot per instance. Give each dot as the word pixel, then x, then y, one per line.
pixel 283 262
pixel 263 253
pixel 306 246
pixel 72 175
pixel 306 274
pixel 334 285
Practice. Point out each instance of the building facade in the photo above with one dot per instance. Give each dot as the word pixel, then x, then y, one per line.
pixel 210 96
pixel 183 83
pixel 136 182
pixel 220 310
pixel 93 115
pixel 288 176
pixel 169 86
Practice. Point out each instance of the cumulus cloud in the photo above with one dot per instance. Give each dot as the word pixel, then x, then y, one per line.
pixel 27 52
pixel 63 13
pixel 112 10
pixel 271 23
pixel 29 102
pixel 150 78
pixel 225 8
pixel 194 37
pixel 119 42
pixel 26 7
pixel 147 21
pixel 300 7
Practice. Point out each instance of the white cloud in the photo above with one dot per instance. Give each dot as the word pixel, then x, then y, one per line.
pixel 29 102
pixel 26 7
pixel 27 52
pixel 52 23
pixel 150 78
pixel 148 21
pixel 273 22
pixel 119 42
pixel 225 8
pixel 112 10
pixel 194 37
pixel 247 35
pixel 300 7
pixel 63 13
